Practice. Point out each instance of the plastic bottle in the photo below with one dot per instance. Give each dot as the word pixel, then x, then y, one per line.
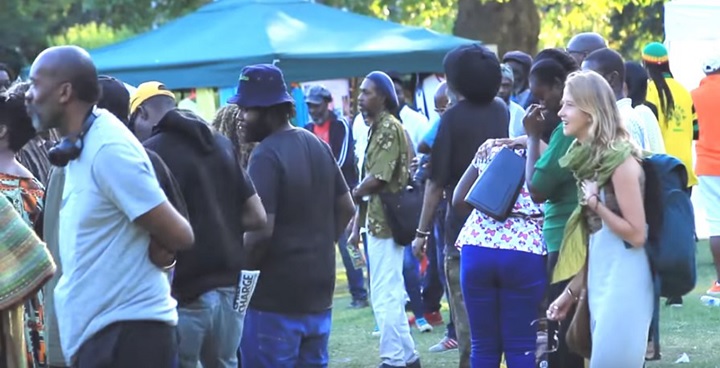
pixel 710 301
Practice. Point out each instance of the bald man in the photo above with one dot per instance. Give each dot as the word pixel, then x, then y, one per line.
pixel 441 104
pixel 582 44
pixel 118 232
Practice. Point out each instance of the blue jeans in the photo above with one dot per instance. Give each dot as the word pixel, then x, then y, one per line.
pixel 209 330
pixel 503 290
pixel 411 275
pixel 356 281
pixel 275 340
pixel 432 285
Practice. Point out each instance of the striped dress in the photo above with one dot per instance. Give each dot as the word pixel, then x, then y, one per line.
pixel 27 265
pixel 26 196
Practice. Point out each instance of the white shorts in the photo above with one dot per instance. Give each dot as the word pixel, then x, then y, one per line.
pixel 709 188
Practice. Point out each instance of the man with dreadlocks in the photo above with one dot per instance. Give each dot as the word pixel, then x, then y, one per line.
pixel 675 112
pixel 674 106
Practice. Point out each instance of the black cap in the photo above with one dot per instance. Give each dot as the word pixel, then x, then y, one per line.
pixel 114 98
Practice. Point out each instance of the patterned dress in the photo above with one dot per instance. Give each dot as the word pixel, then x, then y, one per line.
pixel 26 196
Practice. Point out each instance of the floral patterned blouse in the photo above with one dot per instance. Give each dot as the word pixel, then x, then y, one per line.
pixel 386 159
pixel 522 231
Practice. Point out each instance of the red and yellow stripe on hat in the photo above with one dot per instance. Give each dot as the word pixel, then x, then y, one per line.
pixel 655 53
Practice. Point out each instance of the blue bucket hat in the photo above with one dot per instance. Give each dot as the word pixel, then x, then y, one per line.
pixel 261 85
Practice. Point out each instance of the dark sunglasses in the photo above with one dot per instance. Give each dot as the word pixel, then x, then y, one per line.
pixel 551 345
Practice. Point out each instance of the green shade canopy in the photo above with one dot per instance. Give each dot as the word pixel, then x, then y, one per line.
pixel 309 41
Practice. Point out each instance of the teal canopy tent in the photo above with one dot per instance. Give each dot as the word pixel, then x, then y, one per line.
pixel 308 41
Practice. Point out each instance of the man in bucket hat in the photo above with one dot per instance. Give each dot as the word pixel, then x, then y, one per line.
pixel 308 207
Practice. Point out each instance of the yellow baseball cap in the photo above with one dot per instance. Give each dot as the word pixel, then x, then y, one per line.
pixel 146 91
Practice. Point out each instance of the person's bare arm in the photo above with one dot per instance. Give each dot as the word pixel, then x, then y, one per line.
pixel 532 155
pixel 630 226
pixel 344 212
pixel 253 214
pixel 431 200
pixel 256 242
pixel 167 227
pixel 369 185
pixel 410 145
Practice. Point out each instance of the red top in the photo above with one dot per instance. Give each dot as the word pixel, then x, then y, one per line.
pixel 323 131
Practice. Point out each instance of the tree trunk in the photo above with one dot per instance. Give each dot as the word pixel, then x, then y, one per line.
pixel 509 24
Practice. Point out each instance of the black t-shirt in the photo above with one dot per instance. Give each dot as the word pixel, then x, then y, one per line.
pixel 463 128
pixel 215 189
pixel 298 181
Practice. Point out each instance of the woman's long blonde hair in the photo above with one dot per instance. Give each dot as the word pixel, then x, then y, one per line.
pixel 592 94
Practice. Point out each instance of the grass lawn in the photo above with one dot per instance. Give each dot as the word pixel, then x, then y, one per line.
pixel 693 329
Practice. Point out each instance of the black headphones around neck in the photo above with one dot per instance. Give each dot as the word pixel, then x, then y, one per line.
pixel 69 148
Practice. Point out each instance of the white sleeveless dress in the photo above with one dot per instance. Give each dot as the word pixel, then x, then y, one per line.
pixel 620 296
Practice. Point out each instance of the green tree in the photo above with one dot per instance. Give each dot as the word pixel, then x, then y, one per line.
pixel 438 15
pixel 637 25
pixel 525 24
pixel 26 24
pixel 90 35
pixel 625 23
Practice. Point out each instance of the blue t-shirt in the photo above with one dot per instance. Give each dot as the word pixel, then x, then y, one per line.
pixel 429 138
pixel 107 274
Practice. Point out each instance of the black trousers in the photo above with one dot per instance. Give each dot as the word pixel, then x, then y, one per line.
pixel 131 344
pixel 563 357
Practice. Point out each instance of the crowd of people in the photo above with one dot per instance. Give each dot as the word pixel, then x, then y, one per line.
pixel 128 221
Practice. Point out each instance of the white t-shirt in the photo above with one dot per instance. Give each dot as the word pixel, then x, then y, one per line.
pixel 360 134
pixel 633 123
pixel 517 114
pixel 107 274
pixel 415 123
pixel 652 129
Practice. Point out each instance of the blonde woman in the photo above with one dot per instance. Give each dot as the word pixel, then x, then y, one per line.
pixel 609 226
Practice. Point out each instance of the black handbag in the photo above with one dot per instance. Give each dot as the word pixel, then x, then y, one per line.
pixel 402 212
pixel 495 192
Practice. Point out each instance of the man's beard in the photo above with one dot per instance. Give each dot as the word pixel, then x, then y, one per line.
pixel 43 126
pixel 257 133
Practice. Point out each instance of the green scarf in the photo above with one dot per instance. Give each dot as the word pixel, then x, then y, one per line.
pixel 573 251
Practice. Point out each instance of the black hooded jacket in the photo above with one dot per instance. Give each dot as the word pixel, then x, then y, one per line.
pixel 215 188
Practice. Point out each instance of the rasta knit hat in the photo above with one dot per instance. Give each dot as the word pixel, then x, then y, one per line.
pixel 384 85
pixel 655 53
